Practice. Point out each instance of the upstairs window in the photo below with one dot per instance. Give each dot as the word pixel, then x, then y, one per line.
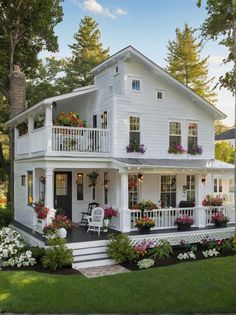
pixel 174 133
pixel 134 130
pixel 159 95
pixel 116 70
pixel 136 85
pixel 192 136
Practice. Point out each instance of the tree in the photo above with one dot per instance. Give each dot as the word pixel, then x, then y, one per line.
pixel 220 127
pixel 224 152
pixel 87 52
pixel 185 64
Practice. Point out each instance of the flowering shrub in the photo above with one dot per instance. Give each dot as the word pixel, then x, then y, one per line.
pixel 187 255
pixel 49 231
pixel 212 201
pixel 196 150
pixel 110 212
pixel 145 263
pixel 184 220
pixel 176 149
pixel 71 119
pixel 141 249
pixel 41 210
pixel 61 221
pixel 219 217
pixel 210 253
pixel 134 147
pixel 145 205
pixel 12 252
pixel 144 222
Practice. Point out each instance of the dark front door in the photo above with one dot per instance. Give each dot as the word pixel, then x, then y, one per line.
pixel 62 192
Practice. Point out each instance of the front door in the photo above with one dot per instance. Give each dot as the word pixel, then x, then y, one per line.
pixel 63 192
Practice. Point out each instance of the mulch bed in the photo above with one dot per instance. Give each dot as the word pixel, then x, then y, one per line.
pixel 173 260
pixel 66 271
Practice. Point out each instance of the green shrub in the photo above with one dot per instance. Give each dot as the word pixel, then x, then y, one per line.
pixel 120 248
pixel 57 255
pixel 161 251
pixel 37 253
pixel 6 216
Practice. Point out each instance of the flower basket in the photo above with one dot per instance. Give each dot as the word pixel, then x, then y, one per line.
pixel 219 219
pixel 144 224
pixel 134 147
pixel 176 149
pixel 184 223
pixel 196 150
pixel 109 212
pixel 212 201
pixel 41 210
pixel 71 119
pixel 61 221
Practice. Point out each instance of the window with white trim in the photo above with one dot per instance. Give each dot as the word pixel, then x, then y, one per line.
pixel 218 185
pixel 160 95
pixel 168 191
pixel 174 133
pixel 190 187
pixel 133 190
pixel 136 85
pixel 134 130
pixel 192 136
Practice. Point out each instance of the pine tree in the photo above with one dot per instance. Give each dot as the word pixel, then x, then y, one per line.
pixel 185 64
pixel 87 52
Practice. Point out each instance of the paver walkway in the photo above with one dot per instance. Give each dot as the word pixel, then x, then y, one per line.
pixel 93 272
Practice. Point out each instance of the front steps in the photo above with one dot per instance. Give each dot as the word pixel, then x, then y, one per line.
pixel 90 254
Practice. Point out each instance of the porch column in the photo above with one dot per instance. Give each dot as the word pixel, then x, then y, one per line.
pixel 48 126
pixel 49 194
pixel 124 211
pixel 30 129
pixel 201 213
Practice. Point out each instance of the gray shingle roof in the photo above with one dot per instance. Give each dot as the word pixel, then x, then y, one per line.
pixel 229 134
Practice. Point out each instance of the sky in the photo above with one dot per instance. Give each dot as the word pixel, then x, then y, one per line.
pixel 147 25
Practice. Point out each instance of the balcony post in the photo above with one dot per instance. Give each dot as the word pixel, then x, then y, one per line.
pixel 48 126
pixel 124 209
pixel 201 212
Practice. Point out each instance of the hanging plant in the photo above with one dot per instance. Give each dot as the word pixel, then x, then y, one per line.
pixel 22 128
pixel 93 178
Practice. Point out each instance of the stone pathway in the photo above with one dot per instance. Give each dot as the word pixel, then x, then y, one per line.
pixel 93 272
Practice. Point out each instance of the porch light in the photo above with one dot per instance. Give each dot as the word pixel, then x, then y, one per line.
pixel 140 177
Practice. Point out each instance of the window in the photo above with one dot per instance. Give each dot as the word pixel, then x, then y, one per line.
pixel 136 85
pixel 104 118
pixel 134 130
pixel 80 186
pixel 231 186
pixel 116 69
pixel 159 95
pixel 22 180
pixel 174 133
pixel 215 185
pixel 30 187
pixel 61 184
pixel 133 190
pixel 218 185
pixel 168 191
pixel 192 136
pixel 190 187
pixel 105 183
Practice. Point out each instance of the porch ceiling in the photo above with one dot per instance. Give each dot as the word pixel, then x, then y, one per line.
pixel 197 164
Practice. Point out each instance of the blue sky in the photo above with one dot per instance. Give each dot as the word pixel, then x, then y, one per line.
pixel 147 25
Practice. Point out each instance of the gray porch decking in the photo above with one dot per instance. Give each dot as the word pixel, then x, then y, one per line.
pixel 79 234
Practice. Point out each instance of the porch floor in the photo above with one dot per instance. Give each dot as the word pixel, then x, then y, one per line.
pixel 79 234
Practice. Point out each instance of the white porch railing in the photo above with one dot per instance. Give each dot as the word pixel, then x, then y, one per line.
pixel 163 218
pixel 227 210
pixel 75 139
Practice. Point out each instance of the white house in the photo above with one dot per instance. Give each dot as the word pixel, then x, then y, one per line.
pixel 132 102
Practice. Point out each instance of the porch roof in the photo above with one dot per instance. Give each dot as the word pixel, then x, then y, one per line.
pixel 198 164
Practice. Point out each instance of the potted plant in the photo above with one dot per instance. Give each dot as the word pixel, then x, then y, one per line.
pixel 134 147
pixel 210 200
pixel 176 149
pixel 61 223
pixel 49 231
pixel 184 223
pixel 197 149
pixel 93 178
pixel 144 224
pixel 109 212
pixel 145 205
pixel 71 119
pixel 40 210
pixel 219 219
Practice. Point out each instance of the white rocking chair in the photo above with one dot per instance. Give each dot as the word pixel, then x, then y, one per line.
pixel 95 221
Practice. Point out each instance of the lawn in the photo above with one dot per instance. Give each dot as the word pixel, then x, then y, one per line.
pixel 206 286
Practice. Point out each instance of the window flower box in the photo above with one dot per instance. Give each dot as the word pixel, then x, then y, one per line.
pixel 196 150
pixel 136 148
pixel 176 149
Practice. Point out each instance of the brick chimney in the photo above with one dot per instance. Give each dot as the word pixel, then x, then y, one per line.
pixel 17 91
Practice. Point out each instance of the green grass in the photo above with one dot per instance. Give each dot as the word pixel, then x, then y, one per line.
pixel 207 286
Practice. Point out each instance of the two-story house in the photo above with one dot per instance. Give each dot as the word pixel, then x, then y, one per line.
pixel 148 136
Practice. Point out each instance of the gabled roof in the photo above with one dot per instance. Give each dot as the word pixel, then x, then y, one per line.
pixel 130 52
pixel 50 100
pixel 228 134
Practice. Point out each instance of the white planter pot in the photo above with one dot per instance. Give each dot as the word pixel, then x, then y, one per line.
pixel 61 232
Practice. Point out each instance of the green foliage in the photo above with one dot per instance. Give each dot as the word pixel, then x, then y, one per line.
pixel 57 255
pixel 120 248
pixel 6 216
pixel 219 25
pixel 220 127
pixel 185 64
pixel 37 253
pixel 224 152
pixel 161 251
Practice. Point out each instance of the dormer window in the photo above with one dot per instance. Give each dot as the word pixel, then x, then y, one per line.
pixel 159 95
pixel 136 86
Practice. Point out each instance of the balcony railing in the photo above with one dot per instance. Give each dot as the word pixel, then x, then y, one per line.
pixel 72 139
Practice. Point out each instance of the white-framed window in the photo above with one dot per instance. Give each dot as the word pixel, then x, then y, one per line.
pixel 218 185
pixel 192 135
pixel 133 190
pixel 168 191
pixel 190 187
pixel 136 85
pixel 160 95
pixel 134 130
pixel 174 133
pixel 116 70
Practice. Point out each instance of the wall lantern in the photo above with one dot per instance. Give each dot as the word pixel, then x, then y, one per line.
pixel 140 177
pixel 204 179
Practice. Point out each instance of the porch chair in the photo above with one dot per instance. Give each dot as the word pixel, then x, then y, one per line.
pixel 91 205
pixel 95 221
